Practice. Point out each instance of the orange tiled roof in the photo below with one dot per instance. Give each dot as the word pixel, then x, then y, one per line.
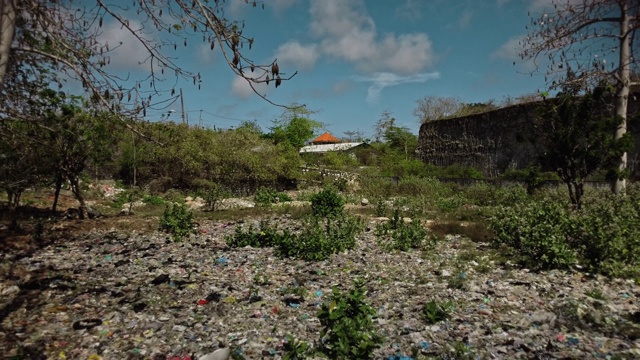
pixel 326 138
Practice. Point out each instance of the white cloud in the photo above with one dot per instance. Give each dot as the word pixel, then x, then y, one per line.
pixel 501 3
pixel 240 87
pixel 349 33
pixel 126 51
pixel 302 56
pixel 381 80
pixel 510 50
pixel 205 54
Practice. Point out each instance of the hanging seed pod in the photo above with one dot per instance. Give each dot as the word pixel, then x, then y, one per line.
pixel 275 70
pixel 100 22
pixel 106 94
pixel 119 94
pixel 129 96
pixel 253 68
pixel 268 80
pixel 173 91
pixel 213 44
pixel 278 81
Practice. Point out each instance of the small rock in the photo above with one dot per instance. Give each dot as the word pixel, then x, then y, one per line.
pixel 364 202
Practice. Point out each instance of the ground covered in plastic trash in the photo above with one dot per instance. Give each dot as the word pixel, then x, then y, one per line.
pixel 115 294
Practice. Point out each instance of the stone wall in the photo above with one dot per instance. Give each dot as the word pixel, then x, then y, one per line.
pixel 496 141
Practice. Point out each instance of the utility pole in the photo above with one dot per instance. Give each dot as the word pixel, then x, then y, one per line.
pixel 184 117
pixel 200 122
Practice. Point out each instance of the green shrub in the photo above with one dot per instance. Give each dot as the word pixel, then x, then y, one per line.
pixel 451 203
pixel 267 196
pixel 153 200
pixel 318 239
pixel 435 312
pixel 607 233
pixel 398 235
pixel 327 202
pixel 348 330
pixel 264 236
pixel 211 192
pixel 537 231
pixel 177 220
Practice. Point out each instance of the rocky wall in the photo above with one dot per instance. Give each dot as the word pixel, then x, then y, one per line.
pixel 496 141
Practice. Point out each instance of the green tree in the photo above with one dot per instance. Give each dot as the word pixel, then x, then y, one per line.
pixel 20 166
pixel 574 135
pixel 579 36
pixel 295 127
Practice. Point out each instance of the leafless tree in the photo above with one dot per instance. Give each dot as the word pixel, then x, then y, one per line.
pixel 594 40
pixel 61 40
pixel 432 108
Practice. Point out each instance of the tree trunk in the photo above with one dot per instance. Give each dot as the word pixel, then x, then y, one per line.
pixel 56 195
pixel 14 202
pixel 622 93
pixel 7 29
pixel 77 192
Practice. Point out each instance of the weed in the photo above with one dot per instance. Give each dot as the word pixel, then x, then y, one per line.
pixel 348 330
pixel 327 202
pixel 435 312
pixel 381 207
pixel 177 220
pixel 596 294
pixel 398 235
pixel 267 196
pixel 295 349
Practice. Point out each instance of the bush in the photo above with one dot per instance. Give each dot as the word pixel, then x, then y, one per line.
pixel 178 221
pixel 348 329
pixel 398 235
pixel 267 196
pixel 265 236
pixel 327 202
pixel 435 312
pixel 537 231
pixel 607 233
pixel 321 238
pixel 211 192
pixel 318 240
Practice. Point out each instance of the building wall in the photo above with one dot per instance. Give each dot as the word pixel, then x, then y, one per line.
pixel 496 141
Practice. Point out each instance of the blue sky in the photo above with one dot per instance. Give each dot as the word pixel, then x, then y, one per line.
pixel 358 58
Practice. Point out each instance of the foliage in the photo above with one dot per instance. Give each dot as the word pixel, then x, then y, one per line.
pixel 211 192
pixel 607 235
pixel 486 194
pixel 319 238
pixel 294 127
pixel 179 155
pixel 348 330
pixel 265 236
pixel 566 37
pixel 580 142
pixel 153 200
pixel 396 234
pixel 295 349
pixel 434 311
pixel 177 220
pixel 327 202
pixel 267 196
pixel 537 231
